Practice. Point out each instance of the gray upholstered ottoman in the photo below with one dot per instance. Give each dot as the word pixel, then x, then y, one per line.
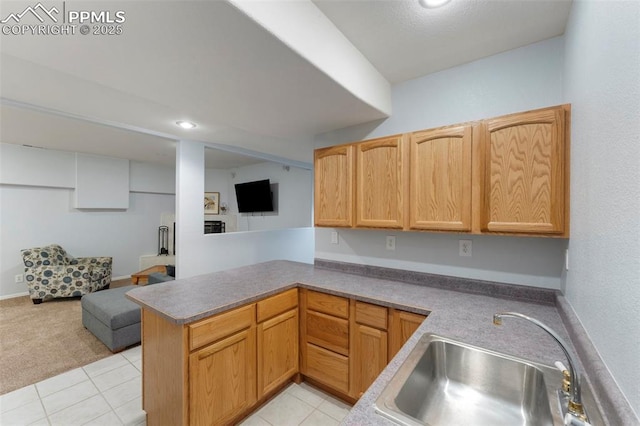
pixel 112 318
pixel 158 277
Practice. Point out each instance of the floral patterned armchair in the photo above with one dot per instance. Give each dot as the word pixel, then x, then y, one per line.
pixel 50 273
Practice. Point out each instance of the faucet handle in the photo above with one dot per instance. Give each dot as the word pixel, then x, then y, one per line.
pixel 566 377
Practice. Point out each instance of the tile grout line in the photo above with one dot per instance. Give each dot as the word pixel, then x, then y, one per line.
pixel 100 392
pixel 324 398
pixel 87 377
pixel 105 399
pixel 44 410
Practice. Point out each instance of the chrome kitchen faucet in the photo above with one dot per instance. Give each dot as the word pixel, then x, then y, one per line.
pixel 574 405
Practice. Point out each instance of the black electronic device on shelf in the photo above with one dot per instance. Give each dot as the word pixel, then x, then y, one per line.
pixel 214 227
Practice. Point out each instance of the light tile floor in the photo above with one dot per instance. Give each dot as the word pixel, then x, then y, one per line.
pixel 301 405
pixel 106 392
pixel 109 392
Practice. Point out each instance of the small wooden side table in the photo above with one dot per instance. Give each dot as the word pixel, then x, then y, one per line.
pixel 142 277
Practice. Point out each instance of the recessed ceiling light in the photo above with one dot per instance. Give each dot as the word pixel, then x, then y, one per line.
pixel 186 124
pixel 432 4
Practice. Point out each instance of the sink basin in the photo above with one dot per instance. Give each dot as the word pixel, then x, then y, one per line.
pixel 445 382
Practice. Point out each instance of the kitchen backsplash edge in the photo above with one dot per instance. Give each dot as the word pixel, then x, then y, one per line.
pixel 543 296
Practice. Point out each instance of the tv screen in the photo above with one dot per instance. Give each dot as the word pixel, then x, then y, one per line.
pixel 254 196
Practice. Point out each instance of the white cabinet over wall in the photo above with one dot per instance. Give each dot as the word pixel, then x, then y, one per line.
pixel 101 182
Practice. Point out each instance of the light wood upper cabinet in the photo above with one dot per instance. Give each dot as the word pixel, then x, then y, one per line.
pixel 504 175
pixel 333 186
pixel 524 179
pixel 381 182
pixel 440 179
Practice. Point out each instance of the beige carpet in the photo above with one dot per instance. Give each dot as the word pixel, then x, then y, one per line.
pixel 41 341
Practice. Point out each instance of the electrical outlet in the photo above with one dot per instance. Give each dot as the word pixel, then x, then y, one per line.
pixel 566 260
pixel 391 242
pixel 334 237
pixel 19 278
pixel 465 248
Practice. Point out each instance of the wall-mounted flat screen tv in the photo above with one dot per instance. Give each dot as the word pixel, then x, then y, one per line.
pixel 254 196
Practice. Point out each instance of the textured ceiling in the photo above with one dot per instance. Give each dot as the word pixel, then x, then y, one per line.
pixel 404 40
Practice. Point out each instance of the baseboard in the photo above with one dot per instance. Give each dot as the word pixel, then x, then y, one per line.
pixel 26 293
pixel 124 277
pixel 11 296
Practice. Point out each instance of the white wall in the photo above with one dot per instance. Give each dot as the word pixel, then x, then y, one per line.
pixel 529 261
pixel 36 216
pixel 152 178
pixel 197 253
pixel 101 182
pixel 22 165
pixel 517 80
pixel 602 81
pixel 521 79
pixel 36 208
pixel 292 201
pixel 217 180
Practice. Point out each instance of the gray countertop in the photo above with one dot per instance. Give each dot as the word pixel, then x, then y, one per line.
pixel 461 316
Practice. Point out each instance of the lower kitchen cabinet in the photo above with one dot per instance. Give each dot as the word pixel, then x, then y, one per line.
pixel 324 339
pixel 345 343
pixel 277 351
pixel 222 379
pixel 278 342
pixel 369 343
pixel 216 370
pixel 327 367
pixel 402 326
pixel 369 357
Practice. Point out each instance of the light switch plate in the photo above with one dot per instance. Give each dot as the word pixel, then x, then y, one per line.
pixel 334 237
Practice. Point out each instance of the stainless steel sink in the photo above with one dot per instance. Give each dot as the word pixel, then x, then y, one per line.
pixel 445 382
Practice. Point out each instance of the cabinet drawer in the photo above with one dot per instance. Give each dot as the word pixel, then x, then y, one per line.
pixel 277 304
pixel 328 332
pixel 371 315
pixel 220 326
pixel 328 304
pixel 328 367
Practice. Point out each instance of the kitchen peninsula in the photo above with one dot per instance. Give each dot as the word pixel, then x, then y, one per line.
pixel 181 325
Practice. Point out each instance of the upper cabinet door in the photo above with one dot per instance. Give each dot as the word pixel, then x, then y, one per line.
pixel 380 183
pixel 524 173
pixel 441 179
pixel 334 186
